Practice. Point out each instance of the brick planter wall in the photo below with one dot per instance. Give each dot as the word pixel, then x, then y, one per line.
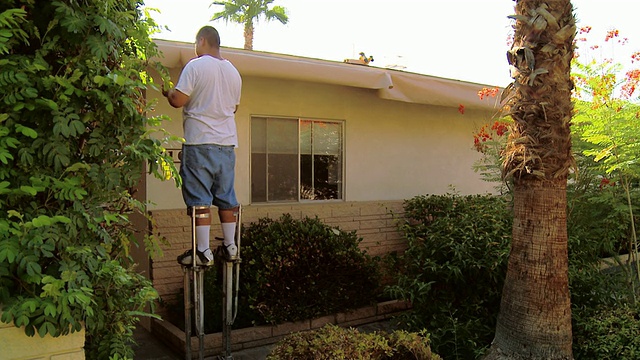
pixel 242 339
pixel 374 222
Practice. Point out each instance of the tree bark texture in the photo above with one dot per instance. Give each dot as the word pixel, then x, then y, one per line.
pixel 535 312
pixel 248 36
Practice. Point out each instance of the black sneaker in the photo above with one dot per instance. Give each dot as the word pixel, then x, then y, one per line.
pixel 203 258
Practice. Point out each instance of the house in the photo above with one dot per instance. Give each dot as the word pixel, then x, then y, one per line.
pixel 346 143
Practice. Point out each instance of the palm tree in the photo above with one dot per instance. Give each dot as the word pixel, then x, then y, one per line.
pixel 535 312
pixel 246 11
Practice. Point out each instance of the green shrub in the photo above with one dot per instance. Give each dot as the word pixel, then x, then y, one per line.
pixel 74 138
pixel 294 270
pixel 607 333
pixel 597 211
pixel 455 283
pixel 301 269
pixel 454 269
pixel 334 343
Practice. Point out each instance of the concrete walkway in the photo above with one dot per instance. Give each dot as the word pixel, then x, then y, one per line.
pixel 150 348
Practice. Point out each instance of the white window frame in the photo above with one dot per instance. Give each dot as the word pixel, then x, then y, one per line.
pixel 299 120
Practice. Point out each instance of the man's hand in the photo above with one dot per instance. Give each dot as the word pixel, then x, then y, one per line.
pixel 166 88
pixel 176 98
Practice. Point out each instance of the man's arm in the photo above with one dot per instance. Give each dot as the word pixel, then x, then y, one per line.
pixel 176 98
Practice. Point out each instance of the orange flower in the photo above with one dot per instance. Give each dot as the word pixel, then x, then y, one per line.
pixel 611 34
pixel 585 29
pixel 631 83
pixel 486 92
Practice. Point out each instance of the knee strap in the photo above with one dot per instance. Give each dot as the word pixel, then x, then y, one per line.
pixel 201 212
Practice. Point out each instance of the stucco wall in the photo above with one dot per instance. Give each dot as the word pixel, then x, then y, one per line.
pixel 393 150
pixel 375 222
pixel 14 345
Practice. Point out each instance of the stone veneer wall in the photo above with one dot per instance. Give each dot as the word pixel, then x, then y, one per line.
pixel 14 344
pixel 374 221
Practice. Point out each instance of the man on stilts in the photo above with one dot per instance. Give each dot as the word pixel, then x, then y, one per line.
pixel 208 91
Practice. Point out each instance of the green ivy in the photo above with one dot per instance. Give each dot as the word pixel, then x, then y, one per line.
pixel 74 139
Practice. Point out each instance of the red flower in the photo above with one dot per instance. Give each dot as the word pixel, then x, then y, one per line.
pixel 499 127
pixel 606 182
pixel 461 109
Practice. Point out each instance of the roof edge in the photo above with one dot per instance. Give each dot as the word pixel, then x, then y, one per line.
pixel 391 84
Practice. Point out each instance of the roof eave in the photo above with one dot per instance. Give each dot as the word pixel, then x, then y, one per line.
pixel 390 84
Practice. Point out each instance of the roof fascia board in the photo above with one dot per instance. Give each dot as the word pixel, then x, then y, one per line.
pixel 390 84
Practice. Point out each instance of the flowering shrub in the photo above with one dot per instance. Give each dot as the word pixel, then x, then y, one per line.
pixel 490 141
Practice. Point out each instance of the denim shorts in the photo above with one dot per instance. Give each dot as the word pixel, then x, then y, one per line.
pixel 207 173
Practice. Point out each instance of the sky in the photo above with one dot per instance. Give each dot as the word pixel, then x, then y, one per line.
pixel 457 39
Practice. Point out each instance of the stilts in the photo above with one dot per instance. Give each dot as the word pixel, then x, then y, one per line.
pixel 194 276
pixel 194 279
pixel 231 285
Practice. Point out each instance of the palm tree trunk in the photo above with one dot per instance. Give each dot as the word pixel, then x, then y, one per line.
pixel 535 314
pixel 248 35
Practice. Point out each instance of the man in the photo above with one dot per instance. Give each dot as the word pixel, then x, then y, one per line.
pixel 208 90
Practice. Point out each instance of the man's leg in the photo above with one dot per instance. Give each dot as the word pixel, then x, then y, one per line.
pixel 202 230
pixel 203 227
pixel 228 221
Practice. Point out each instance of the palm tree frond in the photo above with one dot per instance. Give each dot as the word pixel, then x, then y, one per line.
pixel 245 12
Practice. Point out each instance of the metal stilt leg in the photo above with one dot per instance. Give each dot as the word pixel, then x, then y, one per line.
pixel 231 285
pixel 199 283
pixel 194 279
pixel 187 312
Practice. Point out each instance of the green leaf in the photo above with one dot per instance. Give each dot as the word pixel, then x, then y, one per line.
pixel 50 309
pixel 5 157
pixel 30 305
pixel 42 220
pixel 21 320
pixel 47 328
pixel 78 166
pixel 8 251
pixel 26 131
pixel 33 269
pixel 99 80
pixel 48 103
pixel 61 219
pixel 29 190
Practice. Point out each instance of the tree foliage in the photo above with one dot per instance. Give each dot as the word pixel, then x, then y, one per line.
pixel 73 145
pixel 607 132
pixel 246 12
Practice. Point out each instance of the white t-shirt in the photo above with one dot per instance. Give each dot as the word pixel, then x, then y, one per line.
pixel 213 87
